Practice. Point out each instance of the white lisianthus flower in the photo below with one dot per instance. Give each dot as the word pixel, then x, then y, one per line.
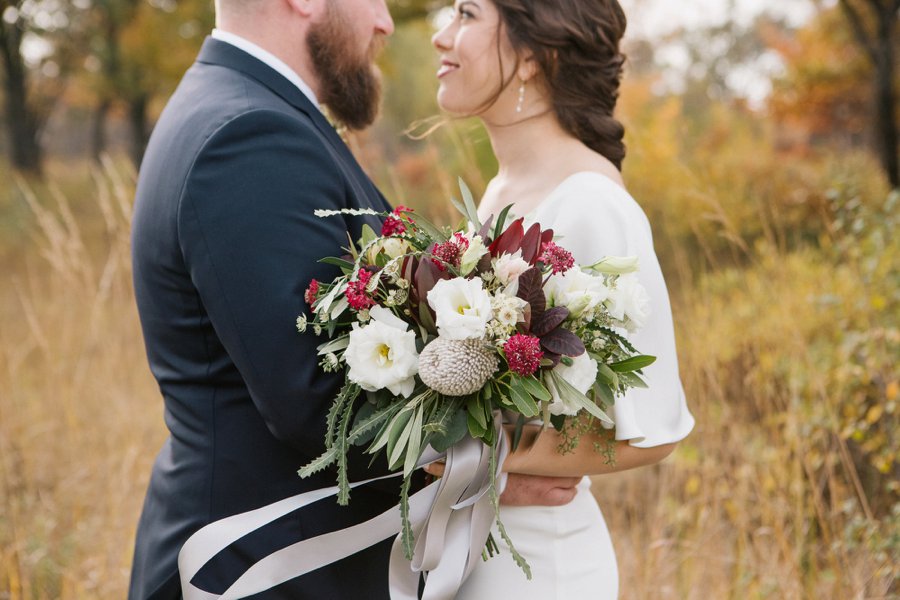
pixel 462 307
pixel 581 376
pixel 629 302
pixel 508 267
pixel 576 290
pixel 383 354
pixel 472 255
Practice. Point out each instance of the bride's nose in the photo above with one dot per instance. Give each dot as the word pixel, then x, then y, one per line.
pixel 443 40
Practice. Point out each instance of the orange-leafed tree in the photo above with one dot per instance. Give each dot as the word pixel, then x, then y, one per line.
pixel 823 95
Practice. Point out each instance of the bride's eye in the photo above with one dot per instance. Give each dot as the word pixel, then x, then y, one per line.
pixel 464 14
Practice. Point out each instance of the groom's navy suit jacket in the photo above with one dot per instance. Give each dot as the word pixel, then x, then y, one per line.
pixel 224 244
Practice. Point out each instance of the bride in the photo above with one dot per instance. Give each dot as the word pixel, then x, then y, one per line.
pixel 544 78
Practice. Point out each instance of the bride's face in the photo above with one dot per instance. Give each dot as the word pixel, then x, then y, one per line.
pixel 477 60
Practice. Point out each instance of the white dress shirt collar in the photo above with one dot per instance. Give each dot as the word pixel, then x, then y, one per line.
pixel 268 58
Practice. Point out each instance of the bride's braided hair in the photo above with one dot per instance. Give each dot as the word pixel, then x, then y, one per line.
pixel 576 45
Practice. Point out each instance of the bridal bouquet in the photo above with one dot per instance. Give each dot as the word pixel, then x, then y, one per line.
pixel 436 329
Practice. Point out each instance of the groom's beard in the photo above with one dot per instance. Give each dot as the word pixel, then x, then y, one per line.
pixel 349 84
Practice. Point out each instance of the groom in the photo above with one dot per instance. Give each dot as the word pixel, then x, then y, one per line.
pixel 224 245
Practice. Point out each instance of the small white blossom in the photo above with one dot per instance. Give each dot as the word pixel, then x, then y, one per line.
pixel 302 323
pixel 363 315
pixel 330 363
pixel 317 329
pixel 508 267
pixel 472 255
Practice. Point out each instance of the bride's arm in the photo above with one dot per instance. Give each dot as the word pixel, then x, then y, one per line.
pixel 538 454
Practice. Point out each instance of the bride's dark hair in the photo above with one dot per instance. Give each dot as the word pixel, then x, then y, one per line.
pixel 575 44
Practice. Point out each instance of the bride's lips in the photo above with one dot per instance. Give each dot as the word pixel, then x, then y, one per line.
pixel 447 67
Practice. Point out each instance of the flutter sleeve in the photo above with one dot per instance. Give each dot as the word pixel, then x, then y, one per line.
pixel 593 217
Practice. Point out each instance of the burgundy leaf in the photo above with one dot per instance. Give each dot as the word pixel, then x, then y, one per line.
pixel 552 319
pixel 546 236
pixel 563 341
pixel 510 240
pixel 484 264
pixel 531 244
pixel 531 291
pixel 427 275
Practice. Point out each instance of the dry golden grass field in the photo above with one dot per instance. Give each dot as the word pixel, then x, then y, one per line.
pixel 784 280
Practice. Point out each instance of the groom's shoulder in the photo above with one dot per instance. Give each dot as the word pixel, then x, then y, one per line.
pixel 210 96
pixel 215 106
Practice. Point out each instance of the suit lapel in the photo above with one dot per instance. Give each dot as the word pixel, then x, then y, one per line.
pixel 217 52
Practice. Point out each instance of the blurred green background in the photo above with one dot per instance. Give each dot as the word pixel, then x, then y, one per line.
pixel 762 145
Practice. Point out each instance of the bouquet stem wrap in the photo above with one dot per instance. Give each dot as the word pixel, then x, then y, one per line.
pixel 451 520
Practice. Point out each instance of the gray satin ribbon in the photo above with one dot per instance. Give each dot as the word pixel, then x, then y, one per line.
pixel 450 540
pixel 451 519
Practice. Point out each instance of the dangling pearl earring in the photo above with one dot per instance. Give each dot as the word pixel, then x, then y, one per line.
pixel 521 101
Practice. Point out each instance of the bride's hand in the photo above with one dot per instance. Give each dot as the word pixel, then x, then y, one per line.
pixel 528 490
pixel 537 490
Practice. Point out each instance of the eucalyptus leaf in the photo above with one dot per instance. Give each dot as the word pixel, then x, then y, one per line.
pixel 414 448
pixel 368 235
pixel 432 230
pixel 535 388
pixel 525 404
pixel 633 363
pixel 345 265
pixel 476 430
pixel 399 439
pixel 633 380
pixel 606 394
pixel 476 410
pixel 335 345
pixel 471 209
pixel 607 376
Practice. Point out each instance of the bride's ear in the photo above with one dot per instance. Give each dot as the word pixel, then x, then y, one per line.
pixel 528 67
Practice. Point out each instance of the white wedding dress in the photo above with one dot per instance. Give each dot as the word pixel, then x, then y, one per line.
pixel 569 548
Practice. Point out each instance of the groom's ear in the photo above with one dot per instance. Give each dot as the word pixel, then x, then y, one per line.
pixel 308 8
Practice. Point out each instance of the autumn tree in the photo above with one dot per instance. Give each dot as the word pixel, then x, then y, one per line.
pixel 137 50
pixel 875 25
pixel 822 97
pixel 22 119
